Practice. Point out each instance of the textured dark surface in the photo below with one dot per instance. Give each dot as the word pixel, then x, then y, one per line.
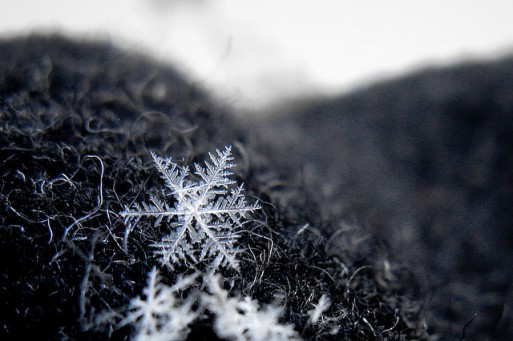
pixel 77 122
pixel 422 163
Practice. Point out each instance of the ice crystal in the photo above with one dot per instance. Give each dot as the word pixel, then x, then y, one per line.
pixel 204 212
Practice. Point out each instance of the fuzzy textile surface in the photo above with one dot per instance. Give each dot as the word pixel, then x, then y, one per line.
pixel 393 201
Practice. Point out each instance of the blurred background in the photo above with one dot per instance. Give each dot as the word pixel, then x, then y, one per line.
pixel 252 54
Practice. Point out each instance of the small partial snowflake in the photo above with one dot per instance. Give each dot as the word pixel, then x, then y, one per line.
pixel 319 309
pixel 243 319
pixel 162 314
pixel 204 212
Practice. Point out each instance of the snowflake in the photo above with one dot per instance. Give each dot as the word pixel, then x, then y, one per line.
pixel 204 216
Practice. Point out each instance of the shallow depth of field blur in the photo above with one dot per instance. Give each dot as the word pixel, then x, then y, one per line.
pixel 251 54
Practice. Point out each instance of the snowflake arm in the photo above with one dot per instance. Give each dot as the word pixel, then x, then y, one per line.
pixel 173 176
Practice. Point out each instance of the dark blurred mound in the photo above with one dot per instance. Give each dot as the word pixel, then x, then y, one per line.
pixel 424 163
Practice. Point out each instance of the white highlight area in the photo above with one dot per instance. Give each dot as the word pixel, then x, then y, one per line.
pixel 253 53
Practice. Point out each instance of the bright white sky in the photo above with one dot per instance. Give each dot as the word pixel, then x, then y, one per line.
pixel 251 53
